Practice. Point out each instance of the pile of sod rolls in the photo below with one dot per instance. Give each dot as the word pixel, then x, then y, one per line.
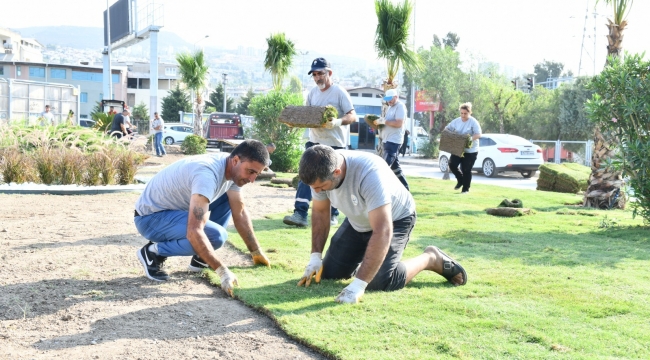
pixel 566 177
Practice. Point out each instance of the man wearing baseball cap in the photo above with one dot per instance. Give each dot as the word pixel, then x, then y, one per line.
pixel 393 132
pixel 334 133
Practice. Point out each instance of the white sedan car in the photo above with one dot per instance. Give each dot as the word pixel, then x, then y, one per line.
pixel 176 132
pixel 502 152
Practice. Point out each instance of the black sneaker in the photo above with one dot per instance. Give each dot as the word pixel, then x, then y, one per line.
pixel 458 186
pixel 152 264
pixel 197 264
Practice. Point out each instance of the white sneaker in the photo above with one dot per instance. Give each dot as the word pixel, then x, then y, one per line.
pixel 334 220
pixel 465 192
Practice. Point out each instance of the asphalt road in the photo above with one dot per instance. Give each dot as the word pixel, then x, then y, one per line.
pixel 507 179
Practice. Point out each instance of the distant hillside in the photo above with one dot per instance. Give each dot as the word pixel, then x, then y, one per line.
pixel 80 37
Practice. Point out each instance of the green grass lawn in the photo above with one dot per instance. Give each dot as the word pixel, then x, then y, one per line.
pixel 539 286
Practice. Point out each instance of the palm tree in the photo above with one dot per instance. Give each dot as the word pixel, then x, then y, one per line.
pixel 605 183
pixel 279 58
pixel 193 71
pixel 391 39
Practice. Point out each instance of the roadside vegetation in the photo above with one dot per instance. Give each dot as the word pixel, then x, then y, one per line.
pixel 565 282
pixel 65 155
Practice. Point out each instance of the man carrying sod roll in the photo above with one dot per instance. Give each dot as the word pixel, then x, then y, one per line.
pixel 380 215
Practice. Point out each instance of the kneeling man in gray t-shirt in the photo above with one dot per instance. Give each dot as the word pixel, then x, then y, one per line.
pixel 185 208
pixel 380 215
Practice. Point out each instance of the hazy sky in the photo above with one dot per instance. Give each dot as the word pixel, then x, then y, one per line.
pixel 518 33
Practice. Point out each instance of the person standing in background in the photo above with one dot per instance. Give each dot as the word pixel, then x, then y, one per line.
pixel 393 133
pixel 158 124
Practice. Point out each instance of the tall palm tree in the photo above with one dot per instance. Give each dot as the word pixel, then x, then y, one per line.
pixel 391 39
pixel 605 183
pixel 193 71
pixel 279 58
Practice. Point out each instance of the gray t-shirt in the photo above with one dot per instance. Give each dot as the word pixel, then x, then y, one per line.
pixel 340 99
pixel 471 126
pixel 369 184
pixel 172 187
pixel 392 134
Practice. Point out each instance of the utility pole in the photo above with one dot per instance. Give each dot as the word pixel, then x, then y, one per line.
pixel 225 81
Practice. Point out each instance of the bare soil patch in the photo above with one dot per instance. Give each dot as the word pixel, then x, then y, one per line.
pixel 71 286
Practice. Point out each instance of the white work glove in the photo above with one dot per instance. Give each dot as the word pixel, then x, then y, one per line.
pixel 314 268
pixel 332 123
pixel 380 121
pixel 259 258
pixel 228 279
pixel 352 293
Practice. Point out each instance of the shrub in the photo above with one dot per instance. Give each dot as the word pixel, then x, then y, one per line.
pixel 45 161
pixel 127 166
pixel 70 166
pixel 14 165
pixel 93 169
pixel 193 145
pixel 288 141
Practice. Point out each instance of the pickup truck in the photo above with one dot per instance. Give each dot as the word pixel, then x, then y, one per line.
pixel 223 130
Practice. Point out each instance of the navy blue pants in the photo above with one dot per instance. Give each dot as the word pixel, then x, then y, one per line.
pixel 390 156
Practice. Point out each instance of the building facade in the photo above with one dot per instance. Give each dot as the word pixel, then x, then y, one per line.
pixel 17 48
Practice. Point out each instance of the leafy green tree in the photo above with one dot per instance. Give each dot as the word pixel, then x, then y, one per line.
pixel 573 120
pixel 547 69
pixel 279 58
pixel 288 141
pixel 140 111
pixel 193 71
pixel 242 107
pixel 392 39
pixel 538 115
pixel 295 85
pixel 502 103
pixel 176 100
pixel 442 79
pixel 215 100
pixel 450 40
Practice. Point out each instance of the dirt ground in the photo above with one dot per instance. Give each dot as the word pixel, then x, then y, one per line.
pixel 71 286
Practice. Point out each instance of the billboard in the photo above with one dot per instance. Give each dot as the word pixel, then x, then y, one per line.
pixel 425 102
pixel 120 21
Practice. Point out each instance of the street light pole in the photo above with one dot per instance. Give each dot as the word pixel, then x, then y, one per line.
pixel 225 81
pixel 196 42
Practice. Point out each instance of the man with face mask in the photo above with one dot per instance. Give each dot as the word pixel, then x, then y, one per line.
pixel 334 133
pixel 183 211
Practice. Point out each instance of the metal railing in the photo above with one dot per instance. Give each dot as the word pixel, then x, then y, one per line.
pixel 582 157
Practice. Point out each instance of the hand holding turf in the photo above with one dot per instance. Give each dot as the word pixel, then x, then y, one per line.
pixel 380 121
pixel 228 280
pixel 332 123
pixel 352 293
pixel 314 268
pixel 260 258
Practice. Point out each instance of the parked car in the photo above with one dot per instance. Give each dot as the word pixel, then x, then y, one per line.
pixel 176 132
pixel 502 152
pixel 86 123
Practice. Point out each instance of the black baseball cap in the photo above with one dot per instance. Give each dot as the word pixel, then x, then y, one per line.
pixel 319 64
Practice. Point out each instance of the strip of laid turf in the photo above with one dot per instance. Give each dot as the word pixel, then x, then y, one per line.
pixel 540 286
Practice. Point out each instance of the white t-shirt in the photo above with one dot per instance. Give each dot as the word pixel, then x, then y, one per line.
pixel 172 188
pixel 46 118
pixel 340 99
pixel 471 126
pixel 157 122
pixel 369 183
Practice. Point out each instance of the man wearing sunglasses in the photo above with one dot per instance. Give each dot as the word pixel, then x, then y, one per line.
pixel 334 133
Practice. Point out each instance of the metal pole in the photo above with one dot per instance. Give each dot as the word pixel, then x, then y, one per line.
pixel 225 81
pixel 412 124
pixel 108 36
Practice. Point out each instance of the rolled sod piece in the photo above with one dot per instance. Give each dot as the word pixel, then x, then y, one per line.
pixel 508 211
pixel 454 143
pixel 282 181
pixel 516 203
pixel 308 116
pixel 370 121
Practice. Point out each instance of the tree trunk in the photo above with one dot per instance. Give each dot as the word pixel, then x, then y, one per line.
pixel 615 37
pixel 198 119
pixel 603 191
